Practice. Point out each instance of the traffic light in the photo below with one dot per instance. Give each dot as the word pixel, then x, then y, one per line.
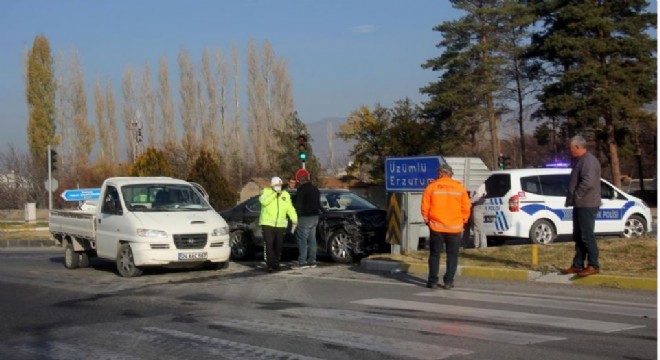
pixel 53 160
pixel 302 147
pixel 501 161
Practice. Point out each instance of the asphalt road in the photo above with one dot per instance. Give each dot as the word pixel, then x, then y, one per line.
pixel 331 312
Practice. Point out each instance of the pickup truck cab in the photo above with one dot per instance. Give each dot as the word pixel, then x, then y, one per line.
pixel 144 221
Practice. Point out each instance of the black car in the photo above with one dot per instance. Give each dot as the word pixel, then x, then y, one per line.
pixel 349 227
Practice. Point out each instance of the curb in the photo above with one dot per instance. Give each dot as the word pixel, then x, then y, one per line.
pixel 613 281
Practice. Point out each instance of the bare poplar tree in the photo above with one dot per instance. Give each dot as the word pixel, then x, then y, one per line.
pixel 129 109
pixel 238 155
pixel 85 136
pixel 169 133
pixel 331 145
pixel 222 76
pixel 64 117
pixel 209 98
pixel 188 108
pixel 111 123
pixel 257 111
pixel 148 108
pixel 101 122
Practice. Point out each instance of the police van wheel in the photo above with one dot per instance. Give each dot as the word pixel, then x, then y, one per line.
pixel 634 227
pixel 542 232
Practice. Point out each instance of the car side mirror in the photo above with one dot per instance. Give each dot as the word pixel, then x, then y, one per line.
pixel 117 207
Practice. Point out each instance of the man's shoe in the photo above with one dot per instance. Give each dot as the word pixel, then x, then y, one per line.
pixel 572 270
pixel 431 286
pixel 590 270
pixel 311 266
pixel 449 286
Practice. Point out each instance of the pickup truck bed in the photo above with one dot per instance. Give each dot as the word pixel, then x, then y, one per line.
pixel 76 223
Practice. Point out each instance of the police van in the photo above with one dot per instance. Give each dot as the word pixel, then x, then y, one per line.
pixel 529 203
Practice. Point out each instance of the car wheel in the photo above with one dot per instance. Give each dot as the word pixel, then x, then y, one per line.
pixel 634 227
pixel 338 247
pixel 125 263
pixel 542 232
pixel 83 259
pixel 241 245
pixel 71 259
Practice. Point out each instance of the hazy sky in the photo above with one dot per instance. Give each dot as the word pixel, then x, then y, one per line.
pixel 341 53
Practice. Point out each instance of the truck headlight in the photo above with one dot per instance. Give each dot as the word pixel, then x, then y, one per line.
pixel 220 231
pixel 150 233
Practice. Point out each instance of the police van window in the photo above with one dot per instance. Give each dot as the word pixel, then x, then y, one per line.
pixel 554 185
pixel 530 184
pixel 607 192
pixel 497 185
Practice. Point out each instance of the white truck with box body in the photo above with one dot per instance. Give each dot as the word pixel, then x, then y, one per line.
pixel 141 222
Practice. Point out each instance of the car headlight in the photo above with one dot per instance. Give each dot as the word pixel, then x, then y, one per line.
pixel 220 231
pixel 150 233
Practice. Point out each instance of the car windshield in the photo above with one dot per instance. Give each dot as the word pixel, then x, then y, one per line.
pixel 163 198
pixel 337 201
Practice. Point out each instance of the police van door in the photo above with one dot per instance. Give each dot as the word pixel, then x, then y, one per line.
pixel 610 218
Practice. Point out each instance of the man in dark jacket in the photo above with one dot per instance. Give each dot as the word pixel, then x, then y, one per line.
pixel 584 196
pixel 308 206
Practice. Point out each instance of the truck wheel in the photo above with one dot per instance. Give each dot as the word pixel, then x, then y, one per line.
pixel 542 232
pixel 83 260
pixel 338 247
pixel 125 264
pixel 71 259
pixel 241 245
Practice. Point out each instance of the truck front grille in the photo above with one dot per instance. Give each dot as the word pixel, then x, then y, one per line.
pixel 190 241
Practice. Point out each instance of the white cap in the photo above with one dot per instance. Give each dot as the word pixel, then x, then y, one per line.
pixel 275 181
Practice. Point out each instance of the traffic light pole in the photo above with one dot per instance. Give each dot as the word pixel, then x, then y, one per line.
pixel 50 181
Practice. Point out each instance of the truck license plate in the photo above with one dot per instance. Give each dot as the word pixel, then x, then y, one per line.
pixel 193 256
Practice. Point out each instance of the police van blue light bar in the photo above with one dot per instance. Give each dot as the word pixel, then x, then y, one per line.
pixel 558 164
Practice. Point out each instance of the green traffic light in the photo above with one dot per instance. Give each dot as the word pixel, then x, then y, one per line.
pixel 302 156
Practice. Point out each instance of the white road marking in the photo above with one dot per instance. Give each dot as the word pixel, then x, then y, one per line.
pixel 178 343
pixel 58 350
pixel 451 328
pixel 501 315
pixel 519 299
pixel 381 344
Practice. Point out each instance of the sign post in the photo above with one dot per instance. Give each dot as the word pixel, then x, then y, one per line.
pixel 409 176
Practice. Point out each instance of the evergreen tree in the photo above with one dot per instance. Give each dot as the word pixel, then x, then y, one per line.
pixel 206 172
pixel 463 101
pixel 151 163
pixel 40 92
pixel 287 161
pixel 601 60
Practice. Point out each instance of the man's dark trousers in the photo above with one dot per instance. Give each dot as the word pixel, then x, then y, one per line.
pixel 273 238
pixel 584 222
pixel 452 243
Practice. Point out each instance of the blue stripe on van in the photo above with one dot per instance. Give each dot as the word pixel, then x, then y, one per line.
pixel 566 214
pixel 500 221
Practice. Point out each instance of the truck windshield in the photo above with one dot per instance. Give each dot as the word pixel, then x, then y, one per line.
pixel 163 198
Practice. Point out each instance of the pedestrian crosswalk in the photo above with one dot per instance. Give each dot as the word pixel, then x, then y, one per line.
pixel 421 325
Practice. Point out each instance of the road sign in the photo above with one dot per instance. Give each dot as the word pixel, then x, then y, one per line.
pixel 54 184
pixel 300 173
pixel 81 194
pixel 411 173
pixel 393 236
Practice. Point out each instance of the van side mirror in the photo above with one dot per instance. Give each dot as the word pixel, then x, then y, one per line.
pixel 118 210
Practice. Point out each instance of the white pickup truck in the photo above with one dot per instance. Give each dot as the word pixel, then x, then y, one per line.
pixel 144 221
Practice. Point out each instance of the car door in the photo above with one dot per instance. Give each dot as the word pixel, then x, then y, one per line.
pixel 555 188
pixel 109 223
pixel 251 213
